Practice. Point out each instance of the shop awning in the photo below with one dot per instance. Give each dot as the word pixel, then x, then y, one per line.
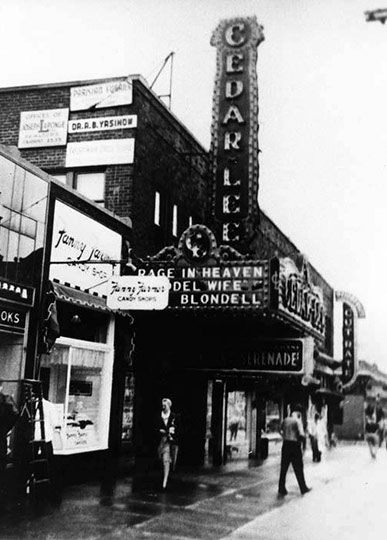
pixel 84 299
pixel 80 298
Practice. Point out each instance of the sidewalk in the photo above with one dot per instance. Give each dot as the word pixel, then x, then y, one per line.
pixel 350 506
pixel 202 504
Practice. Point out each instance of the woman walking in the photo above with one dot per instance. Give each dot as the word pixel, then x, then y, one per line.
pixel 168 445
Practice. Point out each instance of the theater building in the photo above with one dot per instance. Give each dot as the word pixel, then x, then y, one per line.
pixel 248 325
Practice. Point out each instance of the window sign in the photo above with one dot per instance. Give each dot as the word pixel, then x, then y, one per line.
pixel 86 244
pixel 109 94
pixel 43 128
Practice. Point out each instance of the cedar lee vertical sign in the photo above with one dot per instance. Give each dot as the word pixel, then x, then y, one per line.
pixel 234 135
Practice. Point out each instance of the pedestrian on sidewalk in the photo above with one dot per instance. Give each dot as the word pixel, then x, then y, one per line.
pixel 168 446
pixel 293 435
pixel 313 429
pixel 371 435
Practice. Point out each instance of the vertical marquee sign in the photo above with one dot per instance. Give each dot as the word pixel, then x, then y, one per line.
pixel 234 134
pixel 352 310
pixel 348 368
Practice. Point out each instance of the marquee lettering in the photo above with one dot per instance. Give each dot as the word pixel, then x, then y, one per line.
pixel 233 113
pixel 234 89
pixel 235 34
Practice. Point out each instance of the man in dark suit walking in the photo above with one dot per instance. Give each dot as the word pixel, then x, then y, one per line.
pixel 293 435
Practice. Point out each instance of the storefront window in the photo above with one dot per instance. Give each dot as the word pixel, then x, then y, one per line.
pixel 23 201
pixel 79 384
pixel 236 442
pixel 12 354
pixel 127 414
pixel 11 369
pixel 273 417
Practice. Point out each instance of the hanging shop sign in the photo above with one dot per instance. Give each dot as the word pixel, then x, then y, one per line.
pixel 12 291
pixel 234 144
pixel 352 310
pixel 11 319
pixel 43 128
pixel 138 293
pixel 104 123
pixel 102 95
pixel 85 244
pixel 101 152
pixel 297 297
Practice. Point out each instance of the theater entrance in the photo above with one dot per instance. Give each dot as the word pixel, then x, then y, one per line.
pixel 243 422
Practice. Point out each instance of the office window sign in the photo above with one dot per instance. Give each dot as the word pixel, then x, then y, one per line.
pixel 104 123
pixel 103 152
pixel 43 128
pixel 109 94
pixel 85 244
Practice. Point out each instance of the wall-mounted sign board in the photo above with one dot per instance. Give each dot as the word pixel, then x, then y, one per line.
pixel 103 152
pixel 43 128
pixel 104 123
pixel 103 95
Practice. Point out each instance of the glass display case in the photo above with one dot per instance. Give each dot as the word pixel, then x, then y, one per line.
pixel 79 384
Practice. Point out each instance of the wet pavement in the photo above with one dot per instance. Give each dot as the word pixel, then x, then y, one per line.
pixel 203 504
pixel 349 507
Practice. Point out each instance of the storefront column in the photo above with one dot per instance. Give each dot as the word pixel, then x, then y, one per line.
pixel 218 421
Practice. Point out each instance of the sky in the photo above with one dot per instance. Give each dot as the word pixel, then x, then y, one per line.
pixel 322 76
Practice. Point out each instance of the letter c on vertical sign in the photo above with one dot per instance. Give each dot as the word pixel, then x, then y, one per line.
pixel 234 35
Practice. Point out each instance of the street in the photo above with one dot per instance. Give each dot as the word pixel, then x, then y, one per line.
pixel 231 503
pixel 350 507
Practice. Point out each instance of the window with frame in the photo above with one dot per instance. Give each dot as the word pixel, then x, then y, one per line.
pixel 91 184
pixel 156 218
pixel 174 220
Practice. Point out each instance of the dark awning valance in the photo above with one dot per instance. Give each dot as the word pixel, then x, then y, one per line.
pixel 327 360
pixel 80 298
pixel 327 393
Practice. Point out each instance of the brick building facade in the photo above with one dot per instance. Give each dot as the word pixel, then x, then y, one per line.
pixel 167 158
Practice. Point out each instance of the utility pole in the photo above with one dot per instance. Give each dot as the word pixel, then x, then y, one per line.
pixel 376 15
